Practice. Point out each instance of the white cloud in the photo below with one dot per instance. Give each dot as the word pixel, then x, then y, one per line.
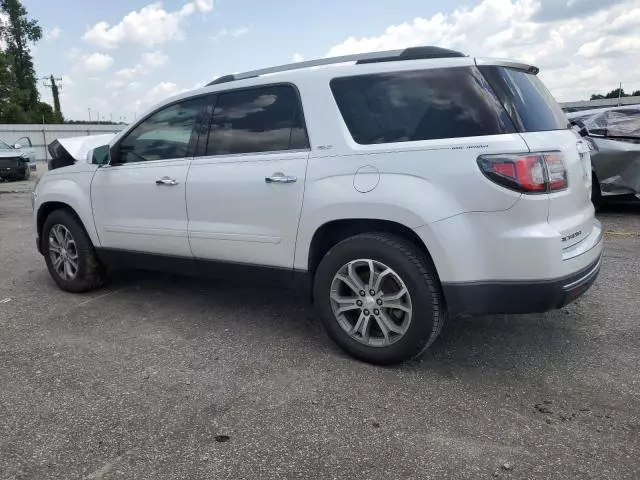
pixel 297 57
pixel 53 34
pixel 203 6
pixel 577 56
pixel 151 25
pixel 230 32
pixel 154 59
pixel 92 62
pixel 159 92
pixel 115 84
pixel 131 72
pixel 149 61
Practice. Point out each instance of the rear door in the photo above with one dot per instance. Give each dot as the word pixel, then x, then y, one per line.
pixel 245 187
pixel 545 128
pixel 139 199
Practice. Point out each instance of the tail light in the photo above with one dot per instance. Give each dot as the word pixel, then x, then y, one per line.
pixel 528 173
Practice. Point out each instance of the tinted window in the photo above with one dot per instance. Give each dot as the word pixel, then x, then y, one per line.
pixel 257 120
pixel 164 135
pixel 419 105
pixel 529 103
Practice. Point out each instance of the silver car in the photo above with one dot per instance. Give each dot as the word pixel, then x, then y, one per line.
pixel 614 138
pixel 17 161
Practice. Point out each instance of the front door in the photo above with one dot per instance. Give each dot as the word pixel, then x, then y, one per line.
pixel 245 188
pixel 139 198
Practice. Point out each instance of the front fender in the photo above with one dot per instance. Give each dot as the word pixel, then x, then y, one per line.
pixel 73 190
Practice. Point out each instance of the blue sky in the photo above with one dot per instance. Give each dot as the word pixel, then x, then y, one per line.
pixel 118 57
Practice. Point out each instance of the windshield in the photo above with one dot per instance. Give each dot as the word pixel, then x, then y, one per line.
pixel 4 146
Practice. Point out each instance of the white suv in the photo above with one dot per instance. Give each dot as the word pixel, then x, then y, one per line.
pixel 395 187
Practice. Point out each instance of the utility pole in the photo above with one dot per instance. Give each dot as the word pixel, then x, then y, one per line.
pixel 89 114
pixel 55 93
pixel 619 93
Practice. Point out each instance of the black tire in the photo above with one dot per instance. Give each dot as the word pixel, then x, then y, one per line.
pixel 418 274
pixel 27 174
pixel 90 273
pixel 596 193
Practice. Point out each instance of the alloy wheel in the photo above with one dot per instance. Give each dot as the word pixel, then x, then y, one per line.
pixel 63 252
pixel 371 302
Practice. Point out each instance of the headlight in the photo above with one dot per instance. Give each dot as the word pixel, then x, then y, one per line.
pixel 25 156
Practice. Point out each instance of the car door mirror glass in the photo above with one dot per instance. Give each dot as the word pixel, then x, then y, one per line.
pixel 101 155
pixel 17 146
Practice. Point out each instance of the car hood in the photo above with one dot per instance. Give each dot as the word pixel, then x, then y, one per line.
pixel 10 153
pixel 78 147
pixel 67 151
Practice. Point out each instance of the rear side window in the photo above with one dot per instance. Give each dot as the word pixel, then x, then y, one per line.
pixel 419 105
pixel 255 120
pixel 529 103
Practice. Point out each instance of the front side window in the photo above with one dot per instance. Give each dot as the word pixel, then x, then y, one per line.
pixel 419 105
pixel 264 119
pixel 164 135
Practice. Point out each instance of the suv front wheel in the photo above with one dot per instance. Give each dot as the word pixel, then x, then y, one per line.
pixel 69 253
pixel 379 297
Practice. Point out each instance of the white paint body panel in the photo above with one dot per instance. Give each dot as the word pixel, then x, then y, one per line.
pixel 235 216
pixel 133 213
pixel 71 186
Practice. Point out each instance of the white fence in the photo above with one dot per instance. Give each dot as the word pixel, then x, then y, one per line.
pixel 43 135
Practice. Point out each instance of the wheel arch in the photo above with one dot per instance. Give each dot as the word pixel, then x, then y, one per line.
pixel 331 233
pixel 46 209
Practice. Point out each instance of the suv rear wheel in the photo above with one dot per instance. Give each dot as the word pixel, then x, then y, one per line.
pixel 379 297
pixel 69 253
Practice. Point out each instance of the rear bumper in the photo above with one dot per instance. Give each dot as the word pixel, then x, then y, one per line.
pixel 486 298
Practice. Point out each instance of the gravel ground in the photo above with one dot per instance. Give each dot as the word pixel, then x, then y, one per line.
pixel 170 377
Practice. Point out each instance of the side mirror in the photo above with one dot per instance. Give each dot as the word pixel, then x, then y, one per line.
pixel 101 155
pixel 17 146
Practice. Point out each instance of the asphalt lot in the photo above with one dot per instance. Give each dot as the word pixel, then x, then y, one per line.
pixel 148 377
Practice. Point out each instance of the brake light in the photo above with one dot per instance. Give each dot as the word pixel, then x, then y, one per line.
pixel 528 173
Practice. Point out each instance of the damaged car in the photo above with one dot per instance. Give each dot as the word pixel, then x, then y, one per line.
pixel 613 135
pixel 17 161
pixel 67 151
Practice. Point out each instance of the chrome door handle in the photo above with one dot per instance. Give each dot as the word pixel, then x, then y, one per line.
pixel 281 178
pixel 166 181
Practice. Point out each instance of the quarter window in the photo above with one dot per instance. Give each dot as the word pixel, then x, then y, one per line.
pixel 419 105
pixel 167 134
pixel 262 119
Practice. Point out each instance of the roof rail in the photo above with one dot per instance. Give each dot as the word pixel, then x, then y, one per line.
pixel 412 53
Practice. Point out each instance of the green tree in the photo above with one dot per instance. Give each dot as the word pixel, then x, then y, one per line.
pixel 636 93
pixel 17 32
pixel 618 92
pixel 10 111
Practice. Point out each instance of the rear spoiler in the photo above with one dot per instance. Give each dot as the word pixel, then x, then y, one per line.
pixel 503 62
